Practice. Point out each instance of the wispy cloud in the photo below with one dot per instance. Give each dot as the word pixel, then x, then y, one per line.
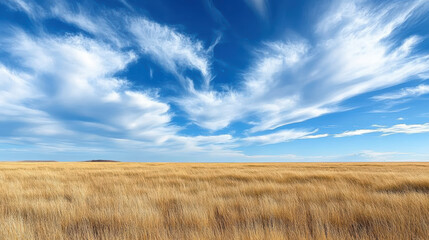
pixel 216 110
pixel 64 87
pixel 30 8
pixel 283 136
pixel 356 132
pixel 102 25
pixel 417 91
pixel 215 13
pixel 75 75
pixel 259 6
pixel 399 128
pixel 173 50
pixel 67 86
pixel 389 110
pixel 126 4
pixel 354 52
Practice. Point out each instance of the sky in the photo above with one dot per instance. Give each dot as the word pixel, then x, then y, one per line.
pixel 214 80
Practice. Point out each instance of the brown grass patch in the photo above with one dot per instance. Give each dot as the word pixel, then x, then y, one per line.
pixel 214 200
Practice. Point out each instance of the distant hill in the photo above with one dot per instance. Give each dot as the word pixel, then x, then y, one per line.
pixel 101 160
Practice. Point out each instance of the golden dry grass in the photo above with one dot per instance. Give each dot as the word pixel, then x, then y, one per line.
pixel 214 201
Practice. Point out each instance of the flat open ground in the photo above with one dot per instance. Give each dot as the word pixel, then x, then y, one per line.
pixel 214 201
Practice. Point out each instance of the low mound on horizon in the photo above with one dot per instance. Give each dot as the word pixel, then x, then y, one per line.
pixel 101 160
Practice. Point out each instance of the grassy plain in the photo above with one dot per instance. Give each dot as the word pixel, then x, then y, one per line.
pixel 214 201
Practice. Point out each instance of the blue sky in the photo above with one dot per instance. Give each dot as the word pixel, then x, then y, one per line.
pixel 242 80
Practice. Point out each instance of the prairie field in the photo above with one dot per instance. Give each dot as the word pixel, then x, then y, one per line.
pixel 214 200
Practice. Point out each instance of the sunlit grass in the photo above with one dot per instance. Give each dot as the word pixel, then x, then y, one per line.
pixel 214 201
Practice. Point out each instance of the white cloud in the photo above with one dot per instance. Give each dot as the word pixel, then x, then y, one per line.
pixel 66 85
pixel 216 110
pixel 215 13
pixel 213 110
pixel 106 24
pixel 407 129
pixel 13 87
pixel 259 6
pixel 353 52
pixel 419 90
pixel 283 136
pixel 15 91
pixel 173 50
pixel 73 67
pixel 65 88
pixel 219 144
pixel 74 75
pixel 399 128
pixel 389 109
pixel 101 25
pixel 315 136
pixel 356 132
pixel 30 8
pixel 291 81
pixel 126 4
